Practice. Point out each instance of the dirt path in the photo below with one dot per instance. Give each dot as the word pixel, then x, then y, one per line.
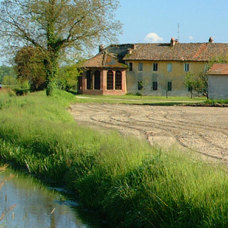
pixel 203 129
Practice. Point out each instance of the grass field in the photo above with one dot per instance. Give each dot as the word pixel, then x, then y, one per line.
pixel 123 180
pixel 133 99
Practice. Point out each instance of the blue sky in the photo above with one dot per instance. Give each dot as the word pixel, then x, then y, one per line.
pixel 198 20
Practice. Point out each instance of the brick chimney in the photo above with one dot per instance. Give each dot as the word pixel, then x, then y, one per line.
pixel 211 40
pixel 172 42
pixel 134 46
pixel 129 51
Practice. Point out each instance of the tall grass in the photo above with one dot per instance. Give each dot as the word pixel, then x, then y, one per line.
pixel 126 182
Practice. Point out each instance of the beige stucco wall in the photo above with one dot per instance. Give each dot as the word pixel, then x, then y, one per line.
pixel 218 87
pixel 162 76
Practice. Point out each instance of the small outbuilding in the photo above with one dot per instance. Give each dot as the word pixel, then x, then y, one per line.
pixel 218 81
pixel 103 75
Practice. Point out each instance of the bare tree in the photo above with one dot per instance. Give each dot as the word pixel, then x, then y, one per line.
pixel 57 27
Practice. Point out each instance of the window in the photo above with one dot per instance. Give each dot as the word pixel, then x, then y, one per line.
pixel 186 67
pixel 140 67
pixel 110 80
pixel 140 85
pixel 169 67
pixel 155 67
pixel 97 80
pixel 130 66
pixel 118 82
pixel 89 79
pixel 169 86
pixel 155 85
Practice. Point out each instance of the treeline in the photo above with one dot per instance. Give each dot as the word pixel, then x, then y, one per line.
pixel 7 74
pixel 29 72
pixel 30 67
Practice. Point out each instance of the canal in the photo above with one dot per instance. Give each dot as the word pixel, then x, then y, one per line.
pixel 27 203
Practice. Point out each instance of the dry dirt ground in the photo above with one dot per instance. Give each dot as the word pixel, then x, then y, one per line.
pixel 201 129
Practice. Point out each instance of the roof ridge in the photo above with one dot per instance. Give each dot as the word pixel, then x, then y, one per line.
pixel 104 58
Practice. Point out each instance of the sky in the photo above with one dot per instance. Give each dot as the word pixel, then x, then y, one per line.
pixel 158 20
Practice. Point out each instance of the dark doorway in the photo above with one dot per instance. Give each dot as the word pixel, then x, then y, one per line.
pixel 110 80
pixel 118 85
pixel 97 80
pixel 89 79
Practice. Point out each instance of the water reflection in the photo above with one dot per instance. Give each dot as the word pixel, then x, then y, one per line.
pixel 35 205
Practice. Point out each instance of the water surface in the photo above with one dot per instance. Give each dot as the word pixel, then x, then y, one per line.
pixel 25 203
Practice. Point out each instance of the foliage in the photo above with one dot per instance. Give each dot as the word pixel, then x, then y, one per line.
pixel 194 82
pixel 217 59
pixel 23 88
pixel 29 67
pixel 6 71
pixel 215 102
pixel 57 28
pixel 67 77
pixel 9 80
pixel 126 182
pixel 164 83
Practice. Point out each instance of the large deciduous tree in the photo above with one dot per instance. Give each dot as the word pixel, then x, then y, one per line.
pixel 57 27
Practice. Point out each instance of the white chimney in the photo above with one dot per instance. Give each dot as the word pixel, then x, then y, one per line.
pixel 172 42
pixel 211 40
pixel 101 48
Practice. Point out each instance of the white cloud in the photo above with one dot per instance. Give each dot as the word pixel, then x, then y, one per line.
pixel 153 38
pixel 190 37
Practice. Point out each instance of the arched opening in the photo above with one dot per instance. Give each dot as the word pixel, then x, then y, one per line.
pixel 118 81
pixel 109 80
pixel 79 85
pixel 97 80
pixel 89 79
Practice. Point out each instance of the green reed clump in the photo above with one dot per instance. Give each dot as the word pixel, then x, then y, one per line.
pixel 124 180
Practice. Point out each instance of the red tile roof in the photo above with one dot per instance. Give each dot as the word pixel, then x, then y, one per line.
pixel 178 52
pixel 219 69
pixel 114 55
pixel 104 60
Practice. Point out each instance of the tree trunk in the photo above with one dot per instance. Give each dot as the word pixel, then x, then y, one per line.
pixel 51 69
pixel 51 63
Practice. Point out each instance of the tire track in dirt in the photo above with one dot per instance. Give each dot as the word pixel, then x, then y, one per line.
pixel 204 130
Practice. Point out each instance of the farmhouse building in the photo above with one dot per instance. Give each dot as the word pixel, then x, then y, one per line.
pixel 218 81
pixel 149 69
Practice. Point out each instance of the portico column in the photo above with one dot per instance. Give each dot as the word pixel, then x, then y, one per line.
pixel 114 80
pixel 124 81
pixel 104 80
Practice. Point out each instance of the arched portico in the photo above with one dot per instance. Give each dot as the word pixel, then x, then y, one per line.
pixel 104 81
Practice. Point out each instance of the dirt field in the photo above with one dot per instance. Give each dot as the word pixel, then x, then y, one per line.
pixel 202 129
